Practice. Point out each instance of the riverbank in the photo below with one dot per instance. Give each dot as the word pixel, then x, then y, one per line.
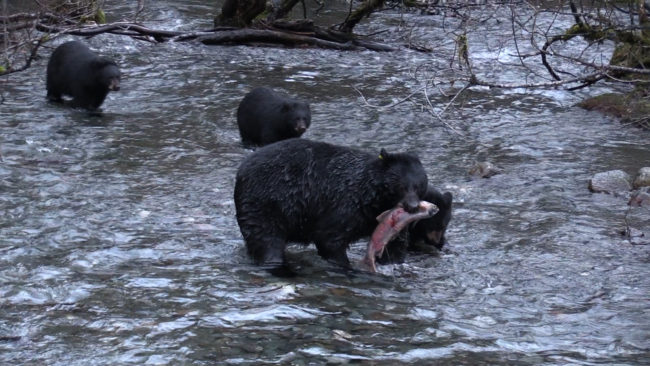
pixel 630 108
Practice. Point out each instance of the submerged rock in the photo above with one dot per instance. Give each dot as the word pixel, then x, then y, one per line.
pixel 642 178
pixel 636 236
pixel 640 198
pixel 612 181
pixel 484 169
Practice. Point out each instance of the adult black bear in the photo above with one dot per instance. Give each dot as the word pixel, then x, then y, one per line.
pixel 421 235
pixel 76 71
pixel 265 116
pixel 305 191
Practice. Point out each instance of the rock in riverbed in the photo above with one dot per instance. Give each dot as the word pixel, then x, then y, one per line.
pixel 484 169
pixel 613 181
pixel 640 198
pixel 642 178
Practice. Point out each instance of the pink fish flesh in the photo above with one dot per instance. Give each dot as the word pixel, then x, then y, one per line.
pixel 391 222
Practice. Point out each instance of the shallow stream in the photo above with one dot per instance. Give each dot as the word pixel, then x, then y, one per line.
pixel 119 244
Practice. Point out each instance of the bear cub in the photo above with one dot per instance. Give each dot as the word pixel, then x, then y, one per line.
pixel 424 234
pixel 303 191
pixel 265 116
pixel 76 71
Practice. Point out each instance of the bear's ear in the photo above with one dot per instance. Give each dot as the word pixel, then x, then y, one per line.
pixel 286 107
pixel 101 62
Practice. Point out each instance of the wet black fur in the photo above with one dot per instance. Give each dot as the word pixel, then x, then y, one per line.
pixel 304 191
pixel 265 116
pixel 76 71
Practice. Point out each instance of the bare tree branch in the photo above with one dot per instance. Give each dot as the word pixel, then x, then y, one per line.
pixel 439 115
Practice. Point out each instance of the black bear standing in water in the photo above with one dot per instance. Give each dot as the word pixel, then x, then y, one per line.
pixel 265 116
pixel 305 191
pixel 76 71
pixel 423 234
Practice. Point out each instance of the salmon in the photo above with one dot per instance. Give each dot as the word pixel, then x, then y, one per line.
pixel 391 222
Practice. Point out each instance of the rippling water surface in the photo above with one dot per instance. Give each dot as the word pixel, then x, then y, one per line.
pixel 119 245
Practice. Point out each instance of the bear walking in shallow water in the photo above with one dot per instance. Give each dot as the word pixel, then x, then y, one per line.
pixel 265 116
pixel 76 71
pixel 305 191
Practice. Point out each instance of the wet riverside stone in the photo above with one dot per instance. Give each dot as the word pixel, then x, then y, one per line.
pixel 637 237
pixel 640 198
pixel 612 181
pixel 484 169
pixel 642 178
pixel 630 107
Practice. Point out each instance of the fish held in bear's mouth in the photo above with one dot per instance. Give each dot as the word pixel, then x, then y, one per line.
pixel 391 222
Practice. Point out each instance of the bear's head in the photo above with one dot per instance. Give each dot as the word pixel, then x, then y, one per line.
pixel 108 74
pixel 404 179
pixel 432 230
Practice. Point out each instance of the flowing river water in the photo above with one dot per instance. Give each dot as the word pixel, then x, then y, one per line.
pixel 119 244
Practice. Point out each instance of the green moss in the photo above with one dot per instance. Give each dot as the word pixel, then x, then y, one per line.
pixel 261 16
pixel 100 17
pixel 591 33
pixel 463 49
pixel 619 57
pixel 2 69
pixel 577 29
pixel 631 55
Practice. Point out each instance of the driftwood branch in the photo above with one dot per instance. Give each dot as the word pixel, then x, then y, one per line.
pixel 308 35
pixel 475 81
pixel 249 35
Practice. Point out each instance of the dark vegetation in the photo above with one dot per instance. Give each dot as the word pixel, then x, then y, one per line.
pixel 556 43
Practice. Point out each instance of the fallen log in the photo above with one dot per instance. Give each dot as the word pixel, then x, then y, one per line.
pixel 249 35
pixel 302 33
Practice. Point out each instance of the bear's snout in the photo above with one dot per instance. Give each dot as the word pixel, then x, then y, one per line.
pixel 114 85
pixel 301 127
pixel 410 202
